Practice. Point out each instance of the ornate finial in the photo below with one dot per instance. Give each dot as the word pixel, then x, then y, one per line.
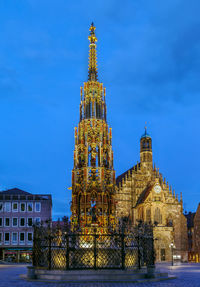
pixel 92 67
pixel 145 127
pixel 145 135
pixel 92 38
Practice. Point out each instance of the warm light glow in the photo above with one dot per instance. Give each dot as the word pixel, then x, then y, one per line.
pixel 59 261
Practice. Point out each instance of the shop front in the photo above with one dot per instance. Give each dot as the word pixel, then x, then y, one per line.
pixel 193 257
pixel 17 255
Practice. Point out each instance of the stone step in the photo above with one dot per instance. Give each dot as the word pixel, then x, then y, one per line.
pixel 96 277
pixel 92 271
pixel 90 277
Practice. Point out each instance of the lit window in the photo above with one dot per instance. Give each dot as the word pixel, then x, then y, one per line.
pixel 22 221
pixel 30 221
pixel 1 221
pixel 15 207
pixel 23 207
pixel 7 237
pixel 14 221
pixel 1 206
pixel 30 206
pixel 7 206
pixel 7 222
pixel 14 237
pixel 37 206
pixel 30 236
pixel 22 237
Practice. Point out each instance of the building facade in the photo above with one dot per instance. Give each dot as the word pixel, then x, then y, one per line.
pixel 93 175
pixel 143 195
pixel 190 228
pixel 19 210
pixel 196 242
pixel 193 225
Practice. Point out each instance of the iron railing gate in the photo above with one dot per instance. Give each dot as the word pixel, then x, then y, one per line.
pixel 67 251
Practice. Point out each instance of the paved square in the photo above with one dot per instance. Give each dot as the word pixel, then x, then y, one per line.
pixel 188 276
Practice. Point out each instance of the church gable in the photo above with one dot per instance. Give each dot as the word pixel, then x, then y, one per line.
pixel 144 195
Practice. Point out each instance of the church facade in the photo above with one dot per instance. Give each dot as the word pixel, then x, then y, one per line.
pixel 142 194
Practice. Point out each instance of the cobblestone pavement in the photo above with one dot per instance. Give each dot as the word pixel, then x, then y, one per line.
pixel 188 276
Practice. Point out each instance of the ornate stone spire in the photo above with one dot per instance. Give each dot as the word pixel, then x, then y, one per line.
pixel 92 66
pixel 93 174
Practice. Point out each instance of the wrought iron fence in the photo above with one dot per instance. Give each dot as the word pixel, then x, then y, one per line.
pixel 58 249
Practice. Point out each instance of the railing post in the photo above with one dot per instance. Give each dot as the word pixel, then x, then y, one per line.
pixel 122 251
pixel 49 255
pixel 95 251
pixel 67 252
pixel 139 255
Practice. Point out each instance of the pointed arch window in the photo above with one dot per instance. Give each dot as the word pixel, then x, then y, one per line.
pixel 91 109
pixel 157 216
pixel 87 110
pixel 169 221
pixel 89 155
pixel 97 156
pixel 148 214
pixel 97 110
pixel 141 214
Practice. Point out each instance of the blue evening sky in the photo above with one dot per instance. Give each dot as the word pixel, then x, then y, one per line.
pixel 149 62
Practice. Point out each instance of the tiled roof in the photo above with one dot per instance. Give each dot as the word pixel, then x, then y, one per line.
pixel 190 219
pixel 14 191
pixel 121 176
pixel 144 194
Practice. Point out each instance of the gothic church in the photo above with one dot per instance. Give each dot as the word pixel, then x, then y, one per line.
pixel 143 194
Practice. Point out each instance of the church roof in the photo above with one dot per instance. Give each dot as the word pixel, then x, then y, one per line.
pixel 145 135
pixel 14 191
pixel 123 175
pixel 144 194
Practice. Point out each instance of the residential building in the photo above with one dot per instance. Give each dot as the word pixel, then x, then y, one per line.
pixel 19 210
pixel 190 228
pixel 193 225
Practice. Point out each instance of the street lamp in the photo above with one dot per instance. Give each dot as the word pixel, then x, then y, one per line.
pixel 172 246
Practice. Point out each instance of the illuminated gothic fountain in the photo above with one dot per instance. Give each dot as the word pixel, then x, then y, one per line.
pixel 93 175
